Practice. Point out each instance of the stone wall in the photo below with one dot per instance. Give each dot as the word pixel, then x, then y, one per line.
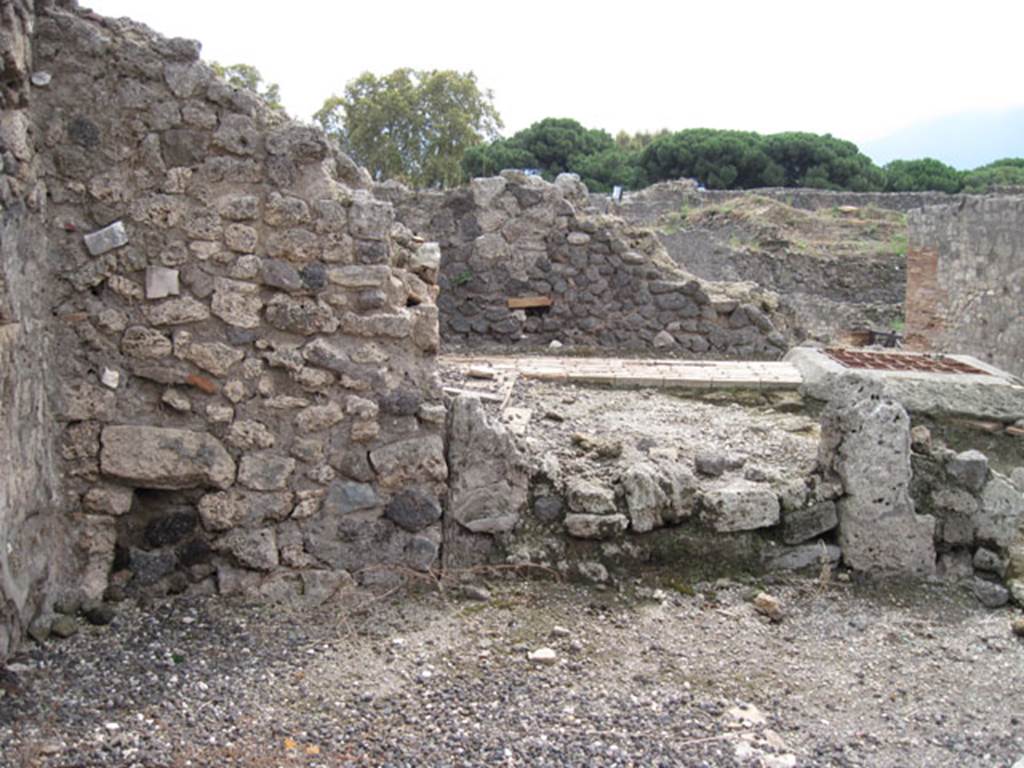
pixel 882 499
pixel 609 284
pixel 830 287
pixel 965 280
pixel 651 203
pixel 243 347
pixel 33 537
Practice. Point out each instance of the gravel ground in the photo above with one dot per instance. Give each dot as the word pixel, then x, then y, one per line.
pixel 653 672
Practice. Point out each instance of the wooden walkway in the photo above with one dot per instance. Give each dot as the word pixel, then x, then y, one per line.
pixel 624 372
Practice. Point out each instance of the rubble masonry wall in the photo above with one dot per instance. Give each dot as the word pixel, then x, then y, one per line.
pixel 240 353
pixel 610 285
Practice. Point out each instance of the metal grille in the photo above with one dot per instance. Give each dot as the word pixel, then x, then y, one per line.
pixel 897 361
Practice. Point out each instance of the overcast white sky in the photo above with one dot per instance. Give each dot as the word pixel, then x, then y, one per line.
pixel 857 70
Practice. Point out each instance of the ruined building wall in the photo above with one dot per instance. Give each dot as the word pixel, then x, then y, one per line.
pixel 830 290
pixel 33 539
pixel 965 280
pixel 649 204
pixel 243 351
pixel 610 285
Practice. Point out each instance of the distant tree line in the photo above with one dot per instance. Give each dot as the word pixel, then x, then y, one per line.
pixel 431 128
pixel 721 159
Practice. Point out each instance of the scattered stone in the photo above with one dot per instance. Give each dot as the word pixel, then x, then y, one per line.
pixel 990 562
pixel 99 614
pixel 63 626
pixel 543 656
pixel 921 440
pixel 990 594
pixel 769 605
pixel 477 593
pixel 41 79
pixel 1017 626
pixel 663 340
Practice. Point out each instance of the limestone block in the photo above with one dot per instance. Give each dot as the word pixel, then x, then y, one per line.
pixel 177 311
pixel 143 342
pixel 645 499
pixel 318 417
pixel 740 506
pixel 489 482
pixel 969 468
pixel 587 497
pixel 369 218
pixel 304 316
pixel 212 356
pixel 156 457
pixel 897 543
pixel 237 303
pixel 249 434
pixel 1002 513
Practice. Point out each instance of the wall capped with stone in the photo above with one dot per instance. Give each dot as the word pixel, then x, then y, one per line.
pixel 965 280
pixel 244 348
pixel 516 237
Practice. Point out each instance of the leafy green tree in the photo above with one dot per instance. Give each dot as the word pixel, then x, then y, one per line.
pixel 717 159
pixel 812 160
pixel 1008 172
pixel 926 174
pixel 247 76
pixel 411 125
pixel 610 167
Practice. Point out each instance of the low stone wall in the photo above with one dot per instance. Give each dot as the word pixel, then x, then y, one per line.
pixel 882 500
pixel 610 285
pixel 965 280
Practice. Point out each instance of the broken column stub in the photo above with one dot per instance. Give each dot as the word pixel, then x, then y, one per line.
pixel 866 446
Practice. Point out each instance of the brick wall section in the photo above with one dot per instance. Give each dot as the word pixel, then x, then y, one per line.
pixel 965 282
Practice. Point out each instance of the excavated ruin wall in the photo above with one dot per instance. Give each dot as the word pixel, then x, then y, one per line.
pixel 34 547
pixel 829 293
pixel 516 236
pixel 650 204
pixel 965 280
pixel 882 498
pixel 243 353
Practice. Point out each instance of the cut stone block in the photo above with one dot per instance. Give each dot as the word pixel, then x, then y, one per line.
pixel 107 239
pixel 161 282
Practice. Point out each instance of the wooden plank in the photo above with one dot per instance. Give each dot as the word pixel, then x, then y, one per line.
pixel 529 302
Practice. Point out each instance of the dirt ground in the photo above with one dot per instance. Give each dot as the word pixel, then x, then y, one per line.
pixel 642 674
